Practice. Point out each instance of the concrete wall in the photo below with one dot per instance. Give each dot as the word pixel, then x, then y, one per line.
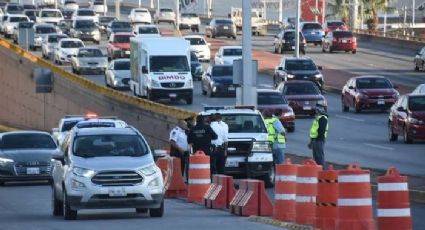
pixel 22 108
pixel 406 45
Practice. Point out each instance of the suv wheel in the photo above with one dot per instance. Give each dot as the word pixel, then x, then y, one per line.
pixel 357 107
pixel 269 177
pixel 416 67
pixel 189 100
pixel 407 139
pixel 68 213
pixel 391 135
pixel 157 212
pixel 57 205
pixel 344 107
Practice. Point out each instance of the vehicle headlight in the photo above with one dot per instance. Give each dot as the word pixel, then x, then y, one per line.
pixel 83 172
pixel 290 76
pixel 289 114
pixel 261 146
pixel 5 161
pixel 318 76
pixel 155 83
pixel 412 120
pixel 148 171
pixel 75 184
pixel 155 182
pixel 396 95
pixel 322 102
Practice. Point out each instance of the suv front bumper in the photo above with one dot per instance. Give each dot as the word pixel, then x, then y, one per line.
pixel 100 201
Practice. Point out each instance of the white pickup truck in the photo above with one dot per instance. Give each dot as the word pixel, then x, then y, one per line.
pixel 258 23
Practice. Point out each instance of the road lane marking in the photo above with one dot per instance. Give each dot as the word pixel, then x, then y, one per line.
pixel 379 146
pixel 350 118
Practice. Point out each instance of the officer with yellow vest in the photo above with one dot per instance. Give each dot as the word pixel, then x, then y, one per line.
pixel 318 134
pixel 276 133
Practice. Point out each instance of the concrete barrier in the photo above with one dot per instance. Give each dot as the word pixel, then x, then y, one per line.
pixel 72 94
pixel 400 43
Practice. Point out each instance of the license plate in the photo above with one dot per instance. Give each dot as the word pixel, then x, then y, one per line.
pixel 231 88
pixel 232 164
pixel 173 95
pixel 313 32
pixel 33 171
pixel 117 192
pixel 225 27
pixel 306 107
pixel 381 102
pixel 127 52
pixel 344 41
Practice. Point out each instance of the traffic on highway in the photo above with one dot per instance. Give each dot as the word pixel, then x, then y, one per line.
pixel 373 97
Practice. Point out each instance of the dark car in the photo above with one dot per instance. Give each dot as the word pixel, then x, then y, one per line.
pixel 104 22
pixel 13 8
pixel 303 68
pixel 335 25
pixel 118 26
pixel 303 96
pixel 313 32
pixel 195 66
pixel 419 60
pixel 269 99
pixel 67 13
pixel 218 81
pixel 221 28
pixel 407 118
pixel 368 92
pixel 85 30
pixel 25 156
pixel 32 14
pixel 285 41
pixel 339 41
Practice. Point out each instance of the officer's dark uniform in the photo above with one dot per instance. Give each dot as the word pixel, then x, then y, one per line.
pixel 200 136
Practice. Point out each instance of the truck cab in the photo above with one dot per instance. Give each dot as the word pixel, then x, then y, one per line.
pixel 160 68
pixel 249 153
pixel 258 23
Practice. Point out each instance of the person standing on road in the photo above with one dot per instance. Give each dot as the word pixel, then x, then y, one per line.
pixel 219 153
pixel 200 136
pixel 276 135
pixel 179 145
pixel 318 134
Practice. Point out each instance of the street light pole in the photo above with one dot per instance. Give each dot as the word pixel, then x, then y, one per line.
pixel 413 12
pixel 297 29
pixel 385 18
pixel 177 15
pixel 249 96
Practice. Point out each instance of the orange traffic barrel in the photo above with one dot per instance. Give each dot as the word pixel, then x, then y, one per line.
pixel 354 200
pixel 327 197
pixel 199 177
pixel 393 202
pixel 285 191
pixel 305 200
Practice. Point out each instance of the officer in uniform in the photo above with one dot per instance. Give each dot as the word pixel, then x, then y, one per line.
pixel 201 135
pixel 318 134
pixel 276 135
pixel 219 145
pixel 178 142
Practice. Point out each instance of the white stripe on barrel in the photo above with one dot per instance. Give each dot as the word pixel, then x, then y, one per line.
pixel 394 212
pixel 284 178
pixel 284 196
pixel 305 199
pixel 199 181
pixel 387 187
pixel 354 178
pixel 355 202
pixel 307 180
pixel 199 166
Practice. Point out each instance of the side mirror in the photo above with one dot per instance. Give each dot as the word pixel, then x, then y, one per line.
pixel 401 109
pixel 144 70
pixel 159 153
pixel 319 67
pixel 58 155
pixel 350 87
pixel 280 68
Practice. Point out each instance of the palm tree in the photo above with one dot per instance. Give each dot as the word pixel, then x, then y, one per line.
pixel 342 9
pixel 371 9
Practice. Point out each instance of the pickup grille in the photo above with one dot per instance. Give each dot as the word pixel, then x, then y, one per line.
pixel 117 178
pixel 243 148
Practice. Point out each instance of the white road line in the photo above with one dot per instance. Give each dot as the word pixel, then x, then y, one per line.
pixel 350 118
pixel 379 146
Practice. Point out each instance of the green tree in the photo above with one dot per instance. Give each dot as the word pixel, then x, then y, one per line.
pixel 371 10
pixel 342 9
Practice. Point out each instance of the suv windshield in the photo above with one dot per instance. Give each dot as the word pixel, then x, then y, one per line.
pixel 72 44
pixel 300 65
pixel 224 22
pixel 122 65
pixel 335 23
pixel 301 89
pixel 189 15
pixel 232 52
pixel 18 19
pixel 45 30
pixel 290 35
pixel 27 141
pixel 88 124
pixel 244 123
pixel 104 20
pixel 50 14
pixel 343 34
pixel 14 8
pixel 122 38
pixel 417 103
pixel 168 64
pixel 312 26
pixel 90 53
pixel 271 99
pixel 148 30
pixel 196 41
pixel 31 13
pixel 109 145
pixel 85 24
pixel 219 71
pixel 373 83
pixel 86 13
pixel 165 10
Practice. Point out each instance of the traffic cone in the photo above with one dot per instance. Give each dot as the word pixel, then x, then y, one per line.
pixel 199 177
pixel 327 197
pixel 285 191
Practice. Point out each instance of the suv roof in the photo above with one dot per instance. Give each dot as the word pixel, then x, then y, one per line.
pixel 297 58
pixel 99 131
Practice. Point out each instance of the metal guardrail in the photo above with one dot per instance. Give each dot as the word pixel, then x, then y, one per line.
pixel 391 34
pixel 139 102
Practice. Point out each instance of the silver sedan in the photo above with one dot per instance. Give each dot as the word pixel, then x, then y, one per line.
pixel 118 73
pixel 89 60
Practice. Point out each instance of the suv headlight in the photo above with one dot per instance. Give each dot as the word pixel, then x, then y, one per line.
pixel 83 172
pixel 148 171
pixel 5 161
pixel 412 120
pixel 261 146
pixel 290 76
pixel 155 83
pixel 318 76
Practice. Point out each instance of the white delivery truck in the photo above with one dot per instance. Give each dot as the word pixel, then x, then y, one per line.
pixel 258 23
pixel 160 68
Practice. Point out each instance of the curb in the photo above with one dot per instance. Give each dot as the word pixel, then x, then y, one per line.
pixel 280 224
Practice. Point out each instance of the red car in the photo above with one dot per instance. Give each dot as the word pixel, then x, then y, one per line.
pixel 335 25
pixel 119 45
pixel 303 96
pixel 269 99
pixel 339 41
pixel 368 92
pixel 407 118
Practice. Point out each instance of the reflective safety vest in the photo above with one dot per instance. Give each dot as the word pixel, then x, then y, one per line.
pixel 272 137
pixel 314 130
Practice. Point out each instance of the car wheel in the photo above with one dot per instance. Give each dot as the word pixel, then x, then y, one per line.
pixel 282 50
pixel 269 177
pixel 234 37
pixel 323 49
pixel 150 96
pixel 142 210
pixel 157 212
pixel 189 100
pixel 291 129
pixel 344 107
pixel 406 138
pixel 357 107
pixel 204 92
pixel 330 50
pixel 276 50
pixel 57 205
pixel 212 35
pixel 354 51
pixel 391 135
pixel 68 213
pixel 416 67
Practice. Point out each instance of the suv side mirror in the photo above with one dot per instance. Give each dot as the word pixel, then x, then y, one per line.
pixel 350 87
pixel 144 70
pixel 401 109
pixel 58 155
pixel 159 153
pixel 319 67
pixel 280 68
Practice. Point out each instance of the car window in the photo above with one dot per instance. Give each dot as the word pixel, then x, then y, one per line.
pixel 169 64
pixel 312 26
pixel 44 30
pixel 166 10
pixel 18 19
pixel 271 99
pixel 189 15
pixel 417 103
pixel 122 65
pixel 27 141
pixel 68 125
pixel 72 44
pixel 119 25
pixel 90 53
pixel 244 123
pixel 301 89
pixel 300 65
pixel 224 22
pixel 55 39
pixel 122 38
pixel 84 24
pixel 140 11
pixel 343 34
pixel 290 35
pixel 232 52
pixel 96 124
pixel 196 41
pixel 148 30
pixel 109 145
pixel 334 24
pixel 31 13
pixel 193 57
pixel 86 13
pixel 373 83
pixel 219 71
pixel 50 14
pixel 106 19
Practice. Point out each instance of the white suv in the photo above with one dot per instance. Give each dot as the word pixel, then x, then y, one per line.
pixel 102 168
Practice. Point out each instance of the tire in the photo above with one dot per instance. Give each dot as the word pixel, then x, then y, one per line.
pixel 330 50
pixel 323 49
pixel 354 51
pixel 57 205
pixel 150 97
pixel 391 136
pixel 416 67
pixel 275 50
pixel 1 183
pixel 142 210
pixel 291 129
pixel 269 178
pixel 357 107
pixel 344 107
pixel 68 213
pixel 189 100
pixel 203 91
pixel 157 212
pixel 234 37
pixel 282 50
pixel 406 138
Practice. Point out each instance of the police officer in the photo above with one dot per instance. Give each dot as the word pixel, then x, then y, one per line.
pixel 178 142
pixel 318 134
pixel 219 145
pixel 276 135
pixel 201 135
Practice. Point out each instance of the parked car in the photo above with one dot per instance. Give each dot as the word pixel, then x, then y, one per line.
pixel 67 13
pixel 67 47
pixel 32 14
pixel 11 23
pixel 313 32
pixel 407 118
pixel 99 7
pixel 71 5
pixel 119 45
pixel 85 14
pixel 85 30
pixel 368 92
pixel 303 96
pixel 285 41
pixel 50 44
pixel 200 46
pixel 146 30
pixel 227 54
pixel 53 16
pixel 273 100
pixel 104 22
pixel 140 15
pixel 118 26
pixel 165 15
pixel 303 68
pixel 26 156
pixel 419 60
pixel 221 28
pixel 332 25
pixel 218 81
pixel 88 60
pixel 118 74
pixel 13 8
pixel 195 66
pixel 420 89
pixel 189 21
pixel 339 41
pixel 115 164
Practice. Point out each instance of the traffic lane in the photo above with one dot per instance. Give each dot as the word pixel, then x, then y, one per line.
pixel 29 207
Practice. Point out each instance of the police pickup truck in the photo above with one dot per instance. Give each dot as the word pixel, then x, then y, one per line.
pixel 249 153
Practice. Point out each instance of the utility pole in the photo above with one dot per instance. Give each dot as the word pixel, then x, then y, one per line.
pixel 385 18
pixel 104 7
pixel 140 3
pixel 117 9
pixel 264 9
pixel 404 20
pixel 177 15
pixel 413 12
pixel 297 29
pixel 280 11
pixel 249 96
pixel 152 5
pixel 316 17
